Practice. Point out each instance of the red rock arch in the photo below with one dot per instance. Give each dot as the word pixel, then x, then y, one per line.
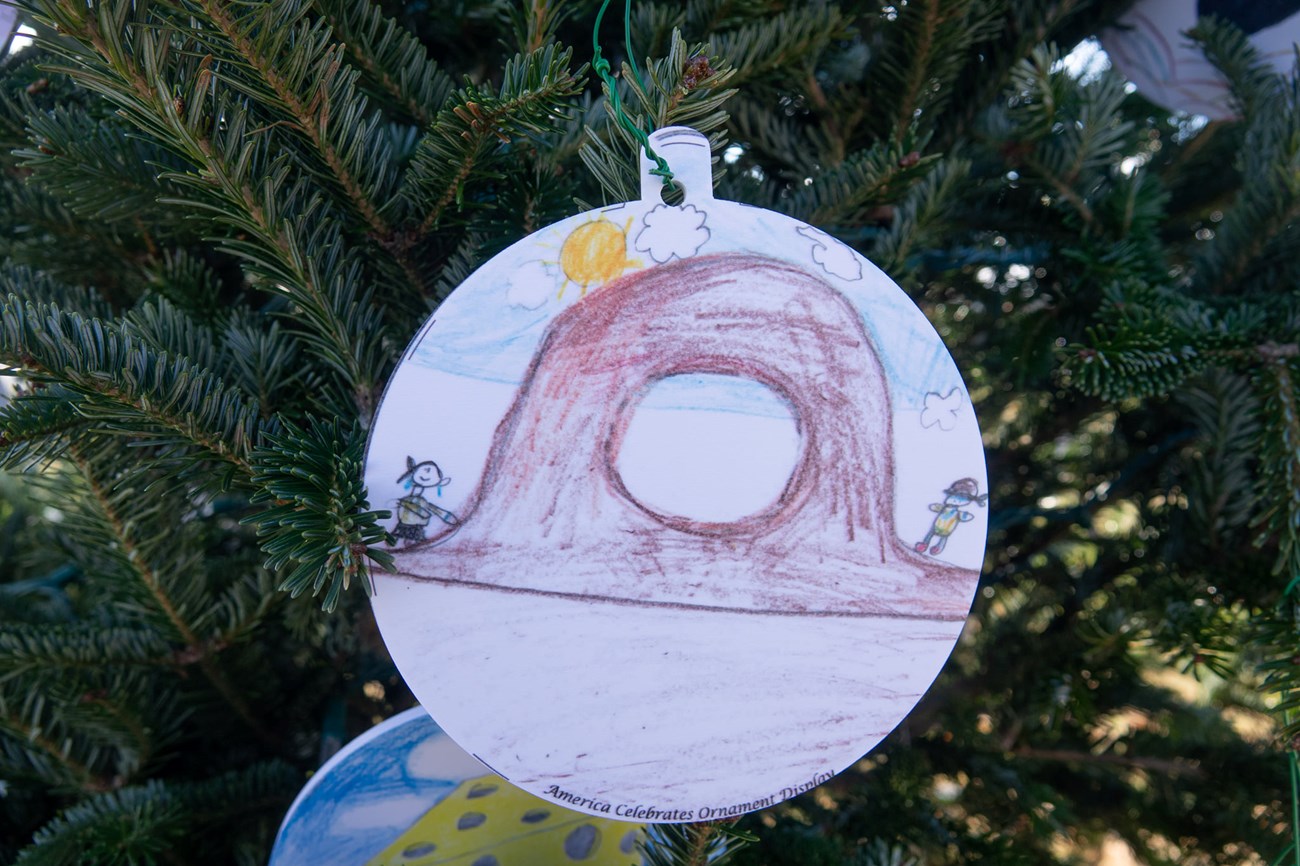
pixel 552 515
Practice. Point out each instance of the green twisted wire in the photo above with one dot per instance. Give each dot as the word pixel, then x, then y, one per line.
pixel 601 67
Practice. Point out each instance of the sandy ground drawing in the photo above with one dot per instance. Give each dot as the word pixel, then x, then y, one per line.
pixel 696 449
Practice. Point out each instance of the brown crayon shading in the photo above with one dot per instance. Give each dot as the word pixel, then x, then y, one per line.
pixel 551 514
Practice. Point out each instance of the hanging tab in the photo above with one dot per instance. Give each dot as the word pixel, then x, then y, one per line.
pixel 602 68
pixel 688 151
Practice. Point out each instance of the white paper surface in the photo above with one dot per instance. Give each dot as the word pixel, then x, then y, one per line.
pixel 1149 47
pixel 691 507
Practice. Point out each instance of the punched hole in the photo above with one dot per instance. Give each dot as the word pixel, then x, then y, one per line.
pixel 672 193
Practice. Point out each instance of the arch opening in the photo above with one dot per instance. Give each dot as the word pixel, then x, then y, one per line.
pixel 708 448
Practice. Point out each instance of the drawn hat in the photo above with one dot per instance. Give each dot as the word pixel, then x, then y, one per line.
pixel 967 487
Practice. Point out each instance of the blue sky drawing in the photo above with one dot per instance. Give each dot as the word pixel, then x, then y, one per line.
pixel 480 335
pixel 375 775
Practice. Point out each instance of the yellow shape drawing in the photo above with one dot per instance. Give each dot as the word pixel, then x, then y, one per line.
pixel 594 253
pixel 489 822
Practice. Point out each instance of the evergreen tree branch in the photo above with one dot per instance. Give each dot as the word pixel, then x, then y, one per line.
pixel 99 360
pixel 876 176
pixel 922 214
pixel 316 92
pixel 687 87
pixel 155 822
pixel 125 59
pixel 394 59
pixel 99 170
pixel 139 563
pixel 34 735
pixel 32 649
pixel 922 44
pixel 533 91
pixel 1279 476
pixel 319 521
pixel 764 48
pixel 31 425
pixel 705 843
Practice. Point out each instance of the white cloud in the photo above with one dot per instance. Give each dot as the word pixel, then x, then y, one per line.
pixel 941 409
pixel 532 285
pixel 440 758
pixel 672 232
pixel 836 258
pixel 398 812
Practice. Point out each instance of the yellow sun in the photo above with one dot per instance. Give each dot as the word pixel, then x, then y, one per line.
pixel 595 252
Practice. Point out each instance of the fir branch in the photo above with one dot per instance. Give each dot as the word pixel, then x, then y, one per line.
pixel 187 282
pixel 533 91
pixel 137 825
pixel 123 56
pixel 296 70
pixel 922 215
pixel 98 169
pixel 165 329
pixel 128 382
pixel 300 72
pixel 262 361
pixel 320 521
pixel 917 67
pixel 33 426
pixel 1226 413
pixel 137 561
pixel 1254 86
pixel 766 47
pixel 34 735
pixel 685 88
pixel 876 176
pixel 927 13
pixel 1128 362
pixel 1067 135
pixel 536 23
pixel 156 822
pixel 707 843
pixel 389 56
pixel 30 649
pixel 462 262
pixel 1279 475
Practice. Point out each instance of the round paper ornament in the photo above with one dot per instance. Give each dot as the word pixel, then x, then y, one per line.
pixel 8 26
pixel 1149 46
pixel 403 794
pixel 689 503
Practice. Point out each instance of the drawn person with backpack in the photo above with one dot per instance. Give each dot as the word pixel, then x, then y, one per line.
pixel 414 511
pixel 950 514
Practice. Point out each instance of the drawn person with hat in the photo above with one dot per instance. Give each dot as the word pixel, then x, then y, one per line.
pixel 414 511
pixel 950 514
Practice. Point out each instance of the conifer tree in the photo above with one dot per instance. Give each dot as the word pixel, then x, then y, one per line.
pixel 220 223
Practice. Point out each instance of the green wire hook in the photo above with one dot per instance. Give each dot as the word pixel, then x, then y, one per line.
pixel 601 67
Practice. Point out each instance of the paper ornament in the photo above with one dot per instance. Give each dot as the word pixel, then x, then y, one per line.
pixel 8 26
pixel 1149 46
pixel 403 794
pixel 689 503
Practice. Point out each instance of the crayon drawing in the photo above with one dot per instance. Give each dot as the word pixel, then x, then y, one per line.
pixel 403 794
pixel 684 569
pixel 1150 46
pixel 553 516
pixel 414 510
